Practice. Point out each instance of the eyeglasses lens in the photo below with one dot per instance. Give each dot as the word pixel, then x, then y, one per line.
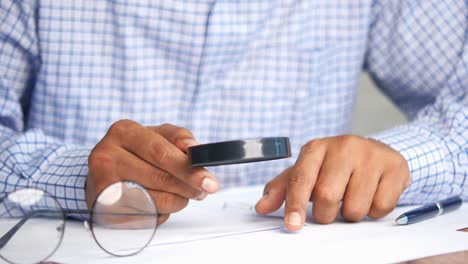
pixel 30 219
pixel 124 219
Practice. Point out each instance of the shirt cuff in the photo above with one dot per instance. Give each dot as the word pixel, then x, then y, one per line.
pixel 429 164
pixel 64 177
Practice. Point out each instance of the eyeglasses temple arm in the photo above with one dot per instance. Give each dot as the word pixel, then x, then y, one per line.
pixel 76 211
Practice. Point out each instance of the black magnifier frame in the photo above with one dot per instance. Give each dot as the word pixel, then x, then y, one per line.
pixel 239 151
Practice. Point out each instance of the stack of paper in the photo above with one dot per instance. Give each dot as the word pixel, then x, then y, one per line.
pixel 225 229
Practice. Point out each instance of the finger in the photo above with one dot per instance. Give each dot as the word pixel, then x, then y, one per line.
pixel 156 150
pixel 330 187
pixel 168 203
pixel 123 220
pixel 101 164
pixel 130 167
pixel 300 184
pixel 359 194
pixel 125 209
pixel 162 218
pixel 273 194
pixel 387 196
pixel 179 136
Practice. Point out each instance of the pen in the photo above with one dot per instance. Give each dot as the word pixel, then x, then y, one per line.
pixel 428 211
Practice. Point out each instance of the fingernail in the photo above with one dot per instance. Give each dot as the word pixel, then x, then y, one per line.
pixel 209 185
pixel 294 219
pixel 190 142
pixel 202 196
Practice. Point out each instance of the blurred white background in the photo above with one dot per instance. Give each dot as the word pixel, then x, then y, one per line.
pixel 374 112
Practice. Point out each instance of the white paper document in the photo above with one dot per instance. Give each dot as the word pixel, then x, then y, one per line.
pixel 224 228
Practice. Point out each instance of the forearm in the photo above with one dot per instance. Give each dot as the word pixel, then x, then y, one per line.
pixel 436 148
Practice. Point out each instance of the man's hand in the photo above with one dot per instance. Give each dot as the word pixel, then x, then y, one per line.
pixel 152 157
pixel 366 176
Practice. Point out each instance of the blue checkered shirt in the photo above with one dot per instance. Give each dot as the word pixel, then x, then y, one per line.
pixel 228 70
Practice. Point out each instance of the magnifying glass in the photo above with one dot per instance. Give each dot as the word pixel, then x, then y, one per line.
pixel 239 151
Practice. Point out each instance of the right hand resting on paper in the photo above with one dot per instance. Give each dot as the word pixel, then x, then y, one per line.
pixel 153 157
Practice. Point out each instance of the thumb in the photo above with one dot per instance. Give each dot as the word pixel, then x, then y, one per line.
pixel 274 194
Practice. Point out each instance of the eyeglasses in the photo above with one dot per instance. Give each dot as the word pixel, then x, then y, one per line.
pixel 32 218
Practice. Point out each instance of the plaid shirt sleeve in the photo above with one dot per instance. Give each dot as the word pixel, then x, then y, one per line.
pixel 29 158
pixel 418 55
